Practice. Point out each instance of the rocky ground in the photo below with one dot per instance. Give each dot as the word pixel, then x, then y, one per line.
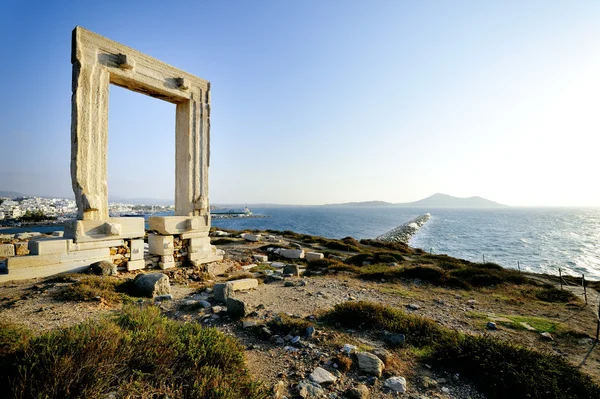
pixel 284 358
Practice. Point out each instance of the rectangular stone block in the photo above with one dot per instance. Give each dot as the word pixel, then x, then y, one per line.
pixel 160 245
pixel 187 236
pixel 7 250
pixel 198 241
pixel 243 284
pixel 166 265
pixel 92 255
pixel 179 224
pixel 251 237
pixel 18 262
pixel 136 265
pixel 47 246
pixel 82 246
pixel 44 270
pixel 96 230
pixel 292 253
pixel 314 256
pixel 137 249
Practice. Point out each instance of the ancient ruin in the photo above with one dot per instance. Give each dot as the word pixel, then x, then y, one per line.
pixel 94 236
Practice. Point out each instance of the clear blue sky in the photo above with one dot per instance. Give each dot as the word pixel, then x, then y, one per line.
pixel 324 101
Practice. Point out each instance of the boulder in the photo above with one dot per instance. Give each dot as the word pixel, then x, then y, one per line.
pixel 103 268
pixel 308 389
pixel 292 269
pixel 396 384
pixel 222 291
pixel 322 376
pixel 393 339
pixel 369 363
pixel 152 285
pixel 359 392
pixel 236 308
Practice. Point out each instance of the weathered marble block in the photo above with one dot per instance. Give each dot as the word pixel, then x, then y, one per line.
pixel 7 250
pixel 160 245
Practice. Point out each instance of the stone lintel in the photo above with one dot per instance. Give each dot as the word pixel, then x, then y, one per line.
pixel 134 70
pixel 179 224
pixel 83 231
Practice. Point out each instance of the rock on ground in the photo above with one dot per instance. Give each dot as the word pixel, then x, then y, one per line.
pixel 369 363
pixel 322 376
pixel 103 268
pixel 359 392
pixel 308 389
pixel 236 308
pixel 152 285
pixel 396 384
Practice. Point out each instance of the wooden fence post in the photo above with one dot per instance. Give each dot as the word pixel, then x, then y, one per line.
pixel 598 323
pixel 584 289
pixel 560 277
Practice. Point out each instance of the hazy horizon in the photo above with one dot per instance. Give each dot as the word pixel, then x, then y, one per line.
pixel 325 102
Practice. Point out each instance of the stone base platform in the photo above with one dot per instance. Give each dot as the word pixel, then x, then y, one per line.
pixel 86 242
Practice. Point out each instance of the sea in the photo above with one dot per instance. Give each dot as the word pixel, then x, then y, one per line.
pixel 541 240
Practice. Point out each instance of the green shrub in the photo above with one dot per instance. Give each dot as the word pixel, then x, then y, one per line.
pixel 358 260
pixel 93 288
pixel 138 354
pixel 431 274
pixel 553 294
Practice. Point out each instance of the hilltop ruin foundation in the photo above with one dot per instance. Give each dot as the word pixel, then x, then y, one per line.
pixel 94 236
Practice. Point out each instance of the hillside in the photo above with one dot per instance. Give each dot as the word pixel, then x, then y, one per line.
pixel 445 200
pixel 437 200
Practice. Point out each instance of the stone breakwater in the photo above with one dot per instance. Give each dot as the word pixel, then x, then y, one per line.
pixel 404 232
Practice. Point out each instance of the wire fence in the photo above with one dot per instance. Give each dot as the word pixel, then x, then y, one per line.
pixel 573 288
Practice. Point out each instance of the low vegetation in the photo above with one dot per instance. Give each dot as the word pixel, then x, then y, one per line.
pixel 139 353
pixel 498 368
pixel 94 288
pixel 35 216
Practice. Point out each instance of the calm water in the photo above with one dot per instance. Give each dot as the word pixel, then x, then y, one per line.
pixel 541 239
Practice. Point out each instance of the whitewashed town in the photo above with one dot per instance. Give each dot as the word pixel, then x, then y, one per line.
pixel 12 209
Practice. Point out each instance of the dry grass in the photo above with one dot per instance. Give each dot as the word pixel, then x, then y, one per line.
pixel 137 354
pixel 498 368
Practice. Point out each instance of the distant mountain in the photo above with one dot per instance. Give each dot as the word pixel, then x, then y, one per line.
pixel 10 194
pixel 448 201
pixel 364 203
pixel 434 201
